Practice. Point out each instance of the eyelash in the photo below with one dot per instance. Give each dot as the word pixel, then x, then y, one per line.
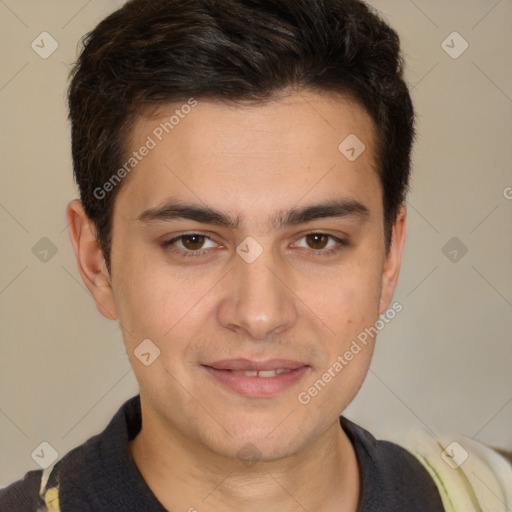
pixel 341 244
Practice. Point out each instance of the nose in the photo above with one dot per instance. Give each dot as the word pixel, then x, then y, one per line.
pixel 258 299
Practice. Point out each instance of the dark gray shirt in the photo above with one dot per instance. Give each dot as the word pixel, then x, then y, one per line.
pixel 101 475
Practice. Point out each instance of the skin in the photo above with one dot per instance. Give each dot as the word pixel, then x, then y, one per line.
pixel 292 302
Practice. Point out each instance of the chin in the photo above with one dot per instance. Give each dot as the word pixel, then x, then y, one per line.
pixel 263 443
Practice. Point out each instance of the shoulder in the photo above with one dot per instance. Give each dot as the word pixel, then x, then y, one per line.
pixel 468 474
pixel 82 477
pixel 471 475
pixel 23 495
pixel 41 490
pixel 391 477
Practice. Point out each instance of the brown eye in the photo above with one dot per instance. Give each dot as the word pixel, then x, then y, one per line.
pixel 189 244
pixel 193 242
pixel 322 244
pixel 317 240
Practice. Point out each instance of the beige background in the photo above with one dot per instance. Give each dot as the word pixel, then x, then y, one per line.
pixel 444 362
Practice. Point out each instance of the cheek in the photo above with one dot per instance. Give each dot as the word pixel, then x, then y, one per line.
pixel 157 301
pixel 141 294
pixel 347 300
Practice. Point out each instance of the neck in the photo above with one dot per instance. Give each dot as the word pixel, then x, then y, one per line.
pixel 184 475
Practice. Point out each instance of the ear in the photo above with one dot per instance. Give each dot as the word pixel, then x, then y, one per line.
pixel 393 261
pixel 89 258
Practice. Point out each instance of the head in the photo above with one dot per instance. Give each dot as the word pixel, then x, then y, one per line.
pixel 228 120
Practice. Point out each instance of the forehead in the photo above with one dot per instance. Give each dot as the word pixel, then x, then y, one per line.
pixel 237 155
pixel 294 117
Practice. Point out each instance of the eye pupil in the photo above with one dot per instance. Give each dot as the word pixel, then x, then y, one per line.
pixel 317 237
pixel 197 244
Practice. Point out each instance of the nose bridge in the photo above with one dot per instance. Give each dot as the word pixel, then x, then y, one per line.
pixel 257 299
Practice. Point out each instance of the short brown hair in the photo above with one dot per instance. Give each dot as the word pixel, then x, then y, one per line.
pixel 152 52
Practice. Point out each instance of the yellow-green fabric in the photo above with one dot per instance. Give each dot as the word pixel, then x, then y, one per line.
pixel 478 479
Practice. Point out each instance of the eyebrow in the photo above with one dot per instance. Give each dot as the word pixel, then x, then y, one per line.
pixel 334 208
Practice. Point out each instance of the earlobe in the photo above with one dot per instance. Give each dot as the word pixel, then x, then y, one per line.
pixel 89 257
pixel 393 261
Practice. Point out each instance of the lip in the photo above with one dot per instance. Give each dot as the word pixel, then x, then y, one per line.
pixel 254 386
pixel 242 364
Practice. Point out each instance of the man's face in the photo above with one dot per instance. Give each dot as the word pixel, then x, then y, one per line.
pixel 259 290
